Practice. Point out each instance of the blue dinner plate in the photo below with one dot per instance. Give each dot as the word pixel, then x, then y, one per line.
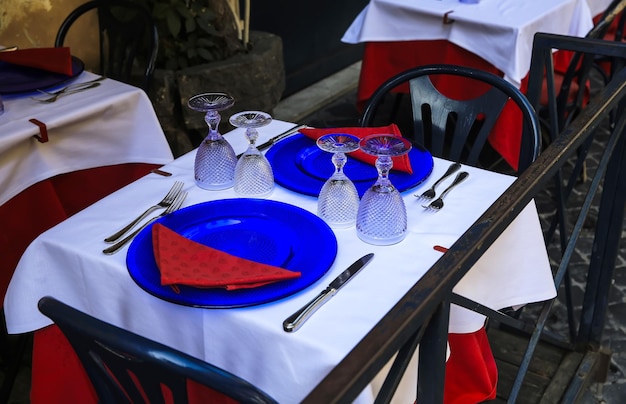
pixel 301 166
pixel 270 232
pixel 16 79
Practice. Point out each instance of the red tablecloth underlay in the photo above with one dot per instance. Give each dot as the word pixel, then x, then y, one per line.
pixel 47 203
pixel 58 376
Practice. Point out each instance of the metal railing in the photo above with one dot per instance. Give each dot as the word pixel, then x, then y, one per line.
pixel 421 316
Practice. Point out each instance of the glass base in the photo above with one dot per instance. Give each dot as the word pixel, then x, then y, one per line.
pixel 369 239
pixel 214 187
pixel 381 219
pixel 338 202
pixel 214 166
pixel 253 176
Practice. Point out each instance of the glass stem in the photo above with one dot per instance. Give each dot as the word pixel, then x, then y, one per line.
pixel 383 165
pixel 339 160
pixel 252 134
pixel 212 119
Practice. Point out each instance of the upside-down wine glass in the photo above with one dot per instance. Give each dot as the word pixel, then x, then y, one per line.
pixel 381 218
pixel 338 200
pixel 214 167
pixel 253 173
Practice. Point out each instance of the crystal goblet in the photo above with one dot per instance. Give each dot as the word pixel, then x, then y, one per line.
pixel 253 173
pixel 338 200
pixel 214 167
pixel 381 218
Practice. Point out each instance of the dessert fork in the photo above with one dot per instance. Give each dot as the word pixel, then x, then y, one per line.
pixel 167 200
pixel 178 202
pixel 437 204
pixel 430 193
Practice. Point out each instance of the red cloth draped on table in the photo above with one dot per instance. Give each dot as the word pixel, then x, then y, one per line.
pixel 47 203
pixel 58 376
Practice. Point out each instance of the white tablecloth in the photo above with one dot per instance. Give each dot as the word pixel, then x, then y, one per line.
pixel 67 263
pixel 114 123
pixel 499 31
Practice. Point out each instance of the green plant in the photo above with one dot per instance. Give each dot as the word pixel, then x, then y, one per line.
pixel 194 32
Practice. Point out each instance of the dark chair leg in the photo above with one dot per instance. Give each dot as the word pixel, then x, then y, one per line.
pixel 13 350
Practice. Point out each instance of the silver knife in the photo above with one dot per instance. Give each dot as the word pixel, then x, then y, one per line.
pixel 276 138
pixel 293 322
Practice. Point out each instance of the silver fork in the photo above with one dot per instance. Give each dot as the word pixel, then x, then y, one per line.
pixel 178 202
pixel 430 193
pixel 70 89
pixel 437 204
pixel 56 96
pixel 165 202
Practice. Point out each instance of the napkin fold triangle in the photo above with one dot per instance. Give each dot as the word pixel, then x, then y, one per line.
pixel 182 261
pixel 400 163
pixel 56 60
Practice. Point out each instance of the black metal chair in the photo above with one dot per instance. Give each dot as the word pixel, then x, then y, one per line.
pixel 128 39
pixel 12 352
pixel 454 129
pixel 111 354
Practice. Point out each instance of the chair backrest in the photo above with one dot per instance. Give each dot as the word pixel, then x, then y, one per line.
pixel 128 39
pixel 458 129
pixel 111 354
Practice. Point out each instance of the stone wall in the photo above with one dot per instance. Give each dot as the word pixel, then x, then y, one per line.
pixel 35 23
pixel 255 80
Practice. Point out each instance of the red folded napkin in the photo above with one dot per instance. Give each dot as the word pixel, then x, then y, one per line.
pixel 185 262
pixel 56 60
pixel 400 163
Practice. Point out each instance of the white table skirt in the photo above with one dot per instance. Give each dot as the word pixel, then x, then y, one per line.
pixel 499 31
pixel 67 263
pixel 114 123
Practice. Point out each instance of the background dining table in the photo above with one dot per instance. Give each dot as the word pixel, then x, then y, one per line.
pixel 67 262
pixel 492 35
pixel 60 157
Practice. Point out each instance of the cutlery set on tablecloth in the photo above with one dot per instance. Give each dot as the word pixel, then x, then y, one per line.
pixel 174 198
pixel 429 194
pixel 67 90
pixel 171 202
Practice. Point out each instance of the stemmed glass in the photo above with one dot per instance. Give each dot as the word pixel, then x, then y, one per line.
pixel 338 200
pixel 253 173
pixel 381 218
pixel 214 167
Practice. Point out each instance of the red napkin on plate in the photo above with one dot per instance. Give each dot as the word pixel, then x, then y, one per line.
pixel 401 163
pixel 182 261
pixel 56 60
